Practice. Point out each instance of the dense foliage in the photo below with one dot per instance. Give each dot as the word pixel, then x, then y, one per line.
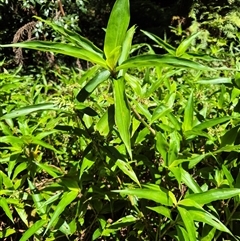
pixel 136 146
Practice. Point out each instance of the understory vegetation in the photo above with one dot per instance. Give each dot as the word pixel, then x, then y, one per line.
pixel 128 144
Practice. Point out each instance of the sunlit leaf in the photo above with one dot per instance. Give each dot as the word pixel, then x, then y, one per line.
pixel 67 198
pixel 122 113
pixel 117 26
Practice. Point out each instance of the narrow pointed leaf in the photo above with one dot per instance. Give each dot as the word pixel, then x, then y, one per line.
pixel 188 180
pixel 73 37
pixel 185 44
pixel 160 60
pixel 33 229
pixel 61 48
pixel 127 44
pixel 169 48
pixel 122 113
pixel 214 81
pixel 214 195
pixel 188 223
pixel 5 208
pixel 211 123
pixel 157 195
pixel 188 114
pixel 30 109
pixel 92 85
pixel 117 26
pixel 67 198
pixel 200 215
pixel 127 169
pixel 113 57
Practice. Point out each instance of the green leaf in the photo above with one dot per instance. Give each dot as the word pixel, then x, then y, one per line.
pixel 127 169
pixel 5 208
pixel 122 222
pixel 157 194
pixel 185 44
pixel 190 182
pixel 165 212
pixel 230 136
pixel 214 81
pixel 113 57
pixel 7 232
pixel 188 223
pixel 229 176
pixel 61 48
pixel 30 109
pixel 37 198
pixel 160 60
pixel 122 113
pixel 73 37
pixel 159 112
pixel 85 165
pixel 169 48
pixel 127 44
pixel 199 214
pixel 33 229
pixel 106 122
pixel 182 234
pixel 188 114
pixel 211 123
pixel 92 85
pixel 162 146
pixel 117 26
pixel 174 148
pixel 51 170
pixel 67 198
pixel 214 195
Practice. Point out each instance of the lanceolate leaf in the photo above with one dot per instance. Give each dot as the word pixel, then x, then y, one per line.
pixel 30 109
pixel 117 26
pixel 158 60
pixel 73 37
pixel 122 112
pixel 188 223
pixel 67 198
pixel 157 195
pixel 127 44
pixel 188 114
pixel 184 45
pixel 92 85
pixel 169 48
pixel 127 169
pixel 61 48
pixel 33 229
pixel 200 215
pixel 213 122
pixel 214 195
